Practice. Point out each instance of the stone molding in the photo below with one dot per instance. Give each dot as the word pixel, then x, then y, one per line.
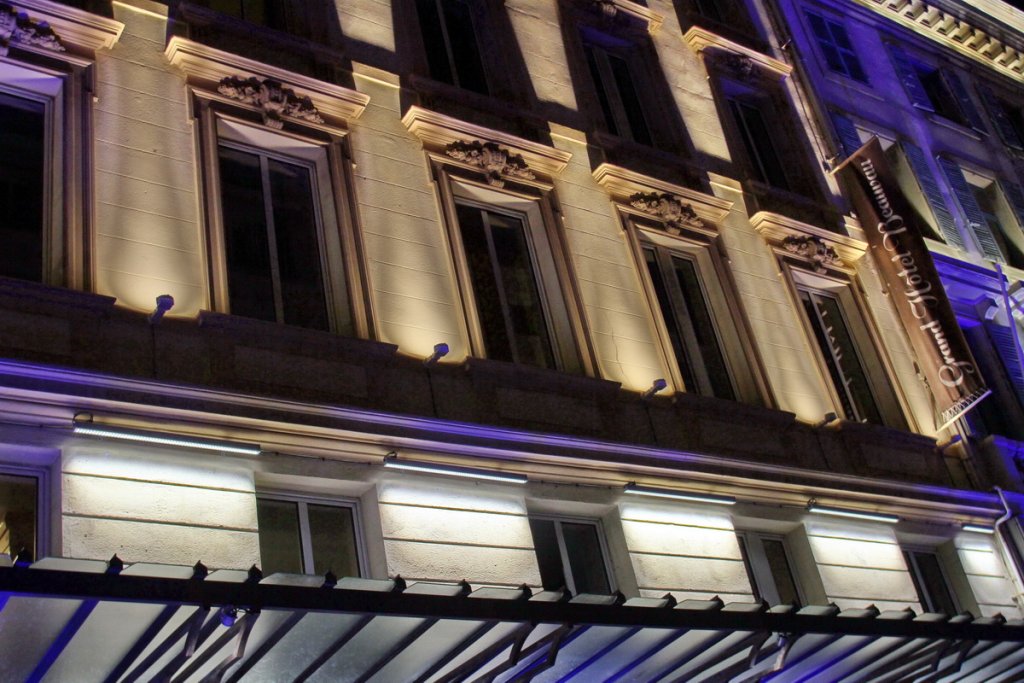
pixel 814 249
pixel 676 213
pixel 741 60
pixel 820 248
pixel 612 8
pixel 54 28
pixel 495 160
pixel 275 100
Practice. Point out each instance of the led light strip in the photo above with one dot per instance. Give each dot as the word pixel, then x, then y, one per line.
pixel 632 487
pixel 90 429
pixel 391 461
pixel 854 514
pixel 979 529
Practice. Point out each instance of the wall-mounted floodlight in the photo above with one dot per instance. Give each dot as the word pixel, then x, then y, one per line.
pixel 979 529
pixel 813 506
pixel 139 436
pixel 440 351
pixel 164 303
pixel 658 385
pixel 391 461
pixel 633 488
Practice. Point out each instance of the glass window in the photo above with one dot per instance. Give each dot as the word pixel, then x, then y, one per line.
pixel 845 366
pixel 616 86
pixel 835 46
pixel 301 536
pixel 691 329
pixel 22 187
pixel 571 554
pixel 770 569
pixel 757 139
pixel 930 581
pixel 19 522
pixel 508 298
pixel 450 41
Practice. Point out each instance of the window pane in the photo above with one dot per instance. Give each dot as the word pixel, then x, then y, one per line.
pixel 485 286
pixel 549 557
pixel 22 180
pixel 434 41
pixel 630 100
pixel 932 589
pixel 757 139
pixel 250 282
pixel 745 553
pixel 586 561
pixel 298 249
pixel 600 87
pixel 782 573
pixel 18 496
pixel 465 51
pixel 671 322
pixel 280 547
pixel 703 327
pixel 332 535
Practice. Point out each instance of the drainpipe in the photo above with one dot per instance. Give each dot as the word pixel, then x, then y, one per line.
pixel 1006 548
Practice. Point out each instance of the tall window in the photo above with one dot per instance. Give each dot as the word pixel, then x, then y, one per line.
pixel 571 553
pixel 770 569
pixel 450 41
pixel 846 368
pixel 930 581
pixel 503 274
pixel 750 115
pixel 695 339
pixel 18 515
pixel 936 89
pixel 612 69
pixel 300 536
pixel 835 46
pixel 282 257
pixel 22 187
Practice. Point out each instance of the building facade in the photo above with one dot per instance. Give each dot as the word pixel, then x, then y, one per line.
pixel 542 298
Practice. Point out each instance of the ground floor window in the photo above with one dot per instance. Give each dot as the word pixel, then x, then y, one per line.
pixel 19 515
pixel 571 554
pixel 307 536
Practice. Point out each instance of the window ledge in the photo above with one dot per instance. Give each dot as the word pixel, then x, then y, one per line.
pixel 542 380
pixel 816 246
pixel 701 40
pixel 76 29
pixel 652 19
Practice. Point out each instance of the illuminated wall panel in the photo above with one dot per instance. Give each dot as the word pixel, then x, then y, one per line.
pixel 986 575
pixel 535 23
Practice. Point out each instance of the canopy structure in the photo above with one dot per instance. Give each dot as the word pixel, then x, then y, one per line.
pixel 77 620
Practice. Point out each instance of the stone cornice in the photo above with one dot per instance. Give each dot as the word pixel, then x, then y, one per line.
pixel 207 68
pixel 815 245
pixel 625 188
pixel 442 133
pixel 633 9
pixel 75 29
pixel 702 40
pixel 931 21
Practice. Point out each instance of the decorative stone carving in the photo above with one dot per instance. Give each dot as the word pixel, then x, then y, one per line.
pixel 607 8
pixel 496 161
pixel 17 27
pixel 813 248
pixel 740 65
pixel 274 99
pixel 675 212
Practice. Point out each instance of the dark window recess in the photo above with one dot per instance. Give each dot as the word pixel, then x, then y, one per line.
pixel 504 281
pixel 18 521
pixel 845 367
pixel 272 240
pixel 936 89
pixel 712 9
pixel 757 141
pixel 450 41
pixel 299 537
pixel 769 569
pixel 985 198
pixel 570 555
pixel 933 590
pixel 836 47
pixel 271 13
pixel 617 93
pixel 22 187
pixel 691 329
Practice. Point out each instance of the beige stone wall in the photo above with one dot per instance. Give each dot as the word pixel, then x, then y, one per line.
pixel 987 581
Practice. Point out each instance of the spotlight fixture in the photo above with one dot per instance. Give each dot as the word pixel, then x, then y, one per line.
pixel 164 303
pixel 440 351
pixel 633 488
pixel 658 385
pixel 139 436
pixel 813 506
pixel 391 461
pixel 979 529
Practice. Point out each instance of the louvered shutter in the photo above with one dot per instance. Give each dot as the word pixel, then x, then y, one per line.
pixel 1001 118
pixel 1014 194
pixel 908 77
pixel 849 140
pixel 1002 342
pixel 933 193
pixel 972 212
pixel 964 101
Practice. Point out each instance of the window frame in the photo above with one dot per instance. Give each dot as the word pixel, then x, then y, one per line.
pixel 830 23
pixel 477 17
pixel 755 561
pixel 302 502
pixel 44 498
pixel 563 552
pixel 909 552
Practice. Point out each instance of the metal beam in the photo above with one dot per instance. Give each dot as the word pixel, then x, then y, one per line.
pixel 241 625
pixel 143 641
pixel 266 646
pixel 335 647
pixel 514 640
pixel 72 626
pixel 453 652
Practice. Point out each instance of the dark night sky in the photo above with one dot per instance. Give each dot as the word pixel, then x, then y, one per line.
pixel 1019 4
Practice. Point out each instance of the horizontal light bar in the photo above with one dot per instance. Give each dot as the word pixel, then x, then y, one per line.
pixel 979 529
pixel 90 429
pixel 632 487
pixel 391 461
pixel 853 514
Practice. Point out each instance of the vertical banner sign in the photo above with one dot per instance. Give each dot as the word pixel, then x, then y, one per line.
pixel 906 267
